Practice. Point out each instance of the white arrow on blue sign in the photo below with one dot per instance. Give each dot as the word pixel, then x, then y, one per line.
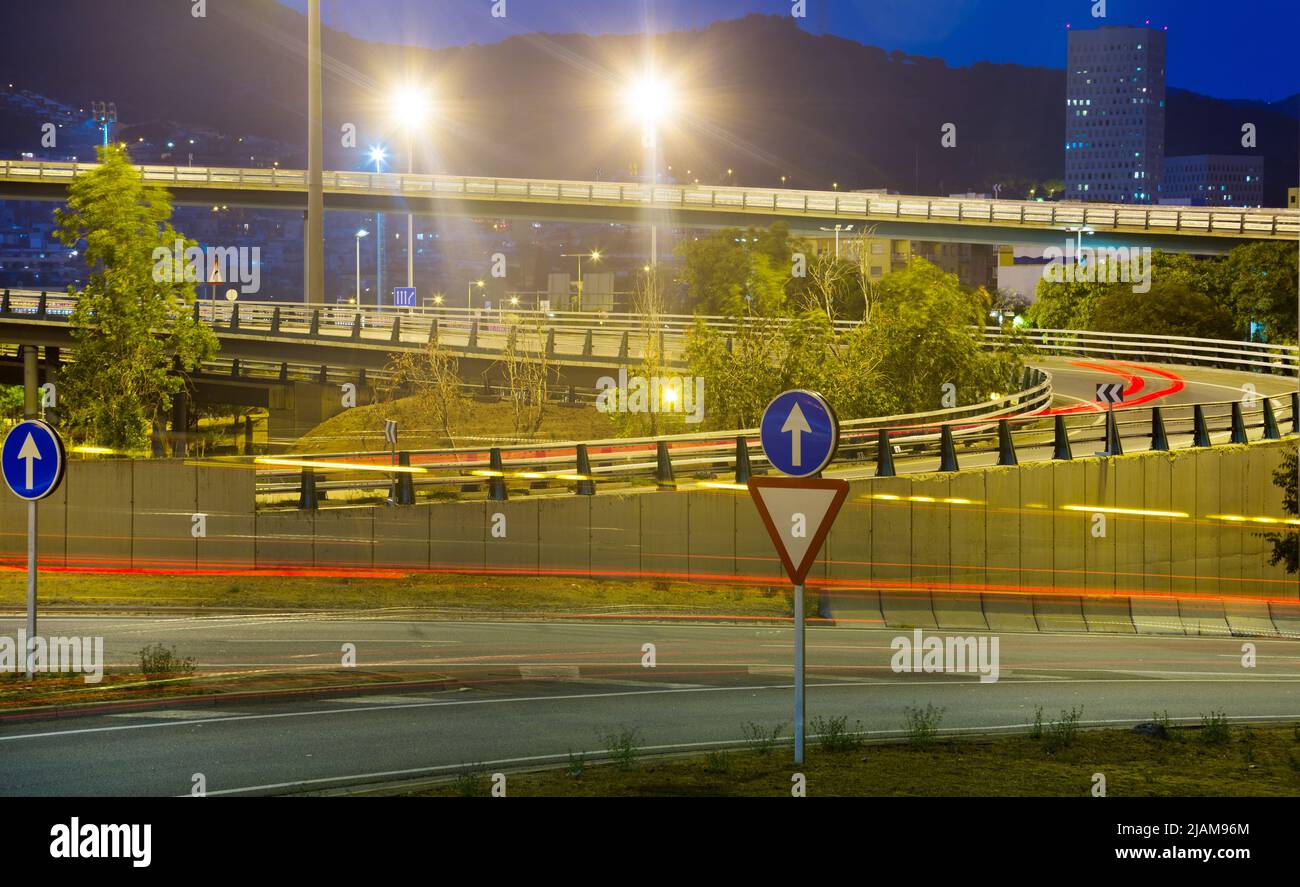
pixel 33 459
pixel 799 433
pixel 404 297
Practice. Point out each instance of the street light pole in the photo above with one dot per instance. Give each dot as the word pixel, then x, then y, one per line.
pixel 360 234
pixel 837 229
pixel 314 225
pixel 410 217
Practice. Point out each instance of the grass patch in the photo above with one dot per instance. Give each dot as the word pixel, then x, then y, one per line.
pixel 1255 761
pixel 361 429
pixel 453 594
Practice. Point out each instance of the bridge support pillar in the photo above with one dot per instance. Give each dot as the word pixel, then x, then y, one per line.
pixel 1271 431
pixel 405 493
pixel 663 466
pixel 180 423
pixel 1114 446
pixel 586 486
pixel 497 482
pixel 1238 424
pixel 31 382
pixel 743 472
pixel 1159 439
pixel 947 450
pixel 1200 431
pixel 1061 451
pixel 884 455
pixel 1006 446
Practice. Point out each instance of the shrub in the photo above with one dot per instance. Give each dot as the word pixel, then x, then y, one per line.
pixel 762 739
pixel 922 724
pixel 833 734
pixel 158 662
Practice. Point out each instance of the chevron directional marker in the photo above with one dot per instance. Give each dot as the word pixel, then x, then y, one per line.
pixel 1110 392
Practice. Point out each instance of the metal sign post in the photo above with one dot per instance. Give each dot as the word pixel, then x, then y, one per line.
pixel 799 434
pixel 33 462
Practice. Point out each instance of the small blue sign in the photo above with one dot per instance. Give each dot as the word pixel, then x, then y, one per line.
pixel 404 297
pixel 33 460
pixel 799 433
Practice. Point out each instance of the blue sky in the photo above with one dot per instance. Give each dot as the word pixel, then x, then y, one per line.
pixel 1238 49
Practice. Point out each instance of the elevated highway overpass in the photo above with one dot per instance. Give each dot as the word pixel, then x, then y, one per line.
pixel 969 220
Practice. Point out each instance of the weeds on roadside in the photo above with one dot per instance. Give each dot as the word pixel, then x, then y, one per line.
pixel 577 764
pixel 1215 729
pixel 622 745
pixel 473 783
pixel 762 739
pixel 158 662
pixel 1061 734
pixel 834 735
pixel 922 724
pixel 1036 731
pixel 718 761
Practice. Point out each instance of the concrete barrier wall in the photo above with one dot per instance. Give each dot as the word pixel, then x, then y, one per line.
pixel 1044 547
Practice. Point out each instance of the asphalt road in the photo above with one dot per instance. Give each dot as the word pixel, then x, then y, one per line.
pixel 523 692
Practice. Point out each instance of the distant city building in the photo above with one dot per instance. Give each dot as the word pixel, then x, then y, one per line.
pixel 1115 115
pixel 1214 180
pixel 974 264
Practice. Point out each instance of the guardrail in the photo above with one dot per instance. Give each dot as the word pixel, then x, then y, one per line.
pixel 999 437
pixel 1204 221
pixel 628 458
pixel 599 338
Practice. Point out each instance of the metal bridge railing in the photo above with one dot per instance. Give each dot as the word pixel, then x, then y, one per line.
pixel 1260 223
pixel 599 338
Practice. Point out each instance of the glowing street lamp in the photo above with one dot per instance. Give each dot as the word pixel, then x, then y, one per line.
pixel 651 99
pixel 410 110
pixel 469 292
pixel 360 234
pixel 594 255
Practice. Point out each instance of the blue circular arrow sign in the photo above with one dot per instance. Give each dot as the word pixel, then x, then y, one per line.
pixel 799 433
pixel 33 459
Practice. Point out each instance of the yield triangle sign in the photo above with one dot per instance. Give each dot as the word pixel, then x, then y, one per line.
pixel 798 513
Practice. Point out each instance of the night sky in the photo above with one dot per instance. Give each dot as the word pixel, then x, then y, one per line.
pixel 1240 49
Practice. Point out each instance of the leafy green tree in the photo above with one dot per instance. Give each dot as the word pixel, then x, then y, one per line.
pixel 1263 282
pixel 928 332
pixel 733 272
pixel 130 328
pixel 1067 306
pixel 1170 308
pixel 1286 545
pixel 923 333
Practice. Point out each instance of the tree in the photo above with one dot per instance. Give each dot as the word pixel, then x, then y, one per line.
pixel 733 272
pixel 528 375
pixel 1263 281
pixel 928 332
pixel 1286 545
pixel 1066 306
pixel 133 329
pixel 1170 308
pixel 431 380
pixel 924 333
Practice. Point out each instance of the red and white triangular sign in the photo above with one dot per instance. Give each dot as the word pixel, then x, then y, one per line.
pixel 798 513
pixel 215 275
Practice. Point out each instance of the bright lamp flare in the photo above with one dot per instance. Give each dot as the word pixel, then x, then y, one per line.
pixel 650 98
pixel 410 106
